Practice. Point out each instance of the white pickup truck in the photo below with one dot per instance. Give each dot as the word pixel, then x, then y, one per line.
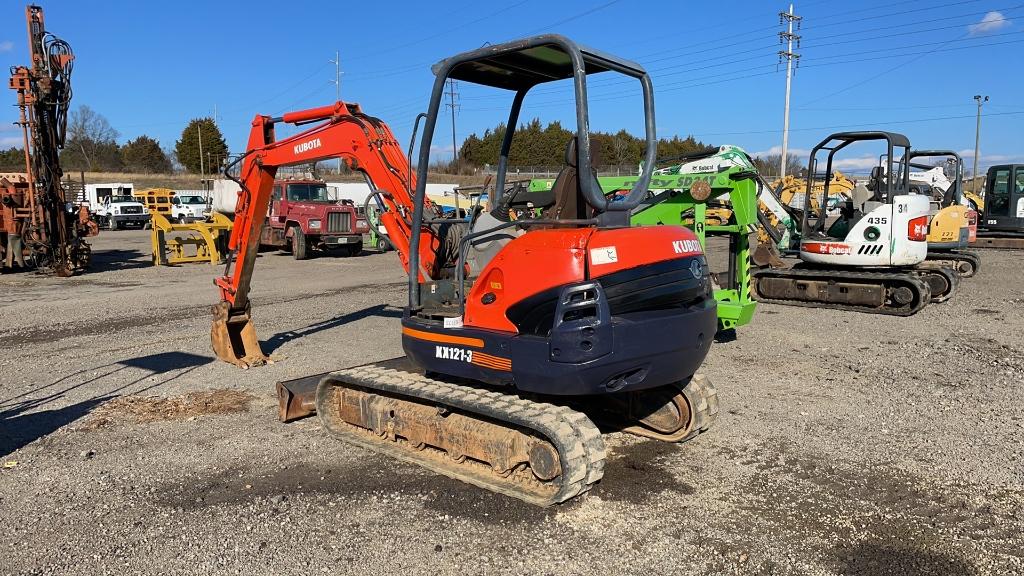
pixel 120 211
pixel 188 208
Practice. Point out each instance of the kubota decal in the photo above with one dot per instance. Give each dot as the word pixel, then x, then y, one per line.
pixel 686 246
pixel 307 146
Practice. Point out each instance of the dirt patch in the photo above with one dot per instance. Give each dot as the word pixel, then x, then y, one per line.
pixel 874 519
pixel 142 409
pixel 880 558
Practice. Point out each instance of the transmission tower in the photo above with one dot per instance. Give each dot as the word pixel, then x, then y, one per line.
pixel 788 37
pixel 453 104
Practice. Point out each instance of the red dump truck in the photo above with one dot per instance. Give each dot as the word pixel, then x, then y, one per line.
pixel 304 216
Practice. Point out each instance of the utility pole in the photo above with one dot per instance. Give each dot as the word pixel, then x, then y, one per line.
pixel 202 170
pixel 337 75
pixel 977 139
pixel 453 97
pixel 788 37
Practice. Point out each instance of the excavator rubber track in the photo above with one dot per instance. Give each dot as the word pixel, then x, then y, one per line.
pixel 534 451
pixel 891 293
pixel 941 278
pixel 966 264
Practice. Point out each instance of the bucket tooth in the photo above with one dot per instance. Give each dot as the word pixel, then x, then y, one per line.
pixel 234 340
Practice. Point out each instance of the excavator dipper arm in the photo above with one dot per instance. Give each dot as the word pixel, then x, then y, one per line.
pixel 367 145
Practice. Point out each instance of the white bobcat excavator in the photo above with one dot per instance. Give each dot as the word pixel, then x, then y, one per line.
pixel 868 258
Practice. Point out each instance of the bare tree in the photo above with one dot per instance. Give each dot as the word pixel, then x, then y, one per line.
pixel 87 124
pixel 91 142
pixel 769 164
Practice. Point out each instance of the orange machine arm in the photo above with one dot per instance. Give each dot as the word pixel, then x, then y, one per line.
pixel 365 143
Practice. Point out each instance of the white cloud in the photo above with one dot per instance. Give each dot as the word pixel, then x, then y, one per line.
pixel 863 163
pixel 991 158
pixel 6 46
pixel 10 141
pixel 793 152
pixel 989 23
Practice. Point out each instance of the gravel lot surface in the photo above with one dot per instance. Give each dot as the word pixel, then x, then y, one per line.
pixel 847 443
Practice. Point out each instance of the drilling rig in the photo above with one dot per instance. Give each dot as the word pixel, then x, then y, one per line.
pixel 40 226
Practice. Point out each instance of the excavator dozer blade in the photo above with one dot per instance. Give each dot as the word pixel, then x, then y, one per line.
pixel 234 338
pixel 297 398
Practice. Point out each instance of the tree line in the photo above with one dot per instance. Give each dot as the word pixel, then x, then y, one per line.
pixel 92 146
pixel 536 145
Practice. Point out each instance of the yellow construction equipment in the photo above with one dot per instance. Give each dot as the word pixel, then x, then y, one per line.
pixel 205 240
pixel 790 190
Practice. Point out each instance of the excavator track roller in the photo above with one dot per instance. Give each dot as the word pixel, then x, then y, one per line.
pixel 966 264
pixel 534 451
pixel 941 279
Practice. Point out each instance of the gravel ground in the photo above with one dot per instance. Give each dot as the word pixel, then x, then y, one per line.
pixel 847 444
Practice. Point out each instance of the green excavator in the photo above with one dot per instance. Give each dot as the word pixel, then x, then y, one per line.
pixel 715 193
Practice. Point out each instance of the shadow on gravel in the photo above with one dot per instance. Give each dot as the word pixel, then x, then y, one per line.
pixel 110 260
pixel 881 559
pixel 378 478
pixel 17 429
pixel 154 364
pixel 632 474
pixel 394 483
pixel 282 338
pixel 166 361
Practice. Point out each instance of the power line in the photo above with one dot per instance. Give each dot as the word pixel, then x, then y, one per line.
pixel 852 126
pixel 442 33
pixel 902 27
pixel 403 69
pixel 718 79
pixel 891 14
pixel 583 14
pixel 660 71
pixel 892 69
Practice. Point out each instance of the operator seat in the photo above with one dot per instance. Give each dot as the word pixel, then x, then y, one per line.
pixel 569 201
pixel 851 211
pixel 569 204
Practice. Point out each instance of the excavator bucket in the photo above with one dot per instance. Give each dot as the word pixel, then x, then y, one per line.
pixel 766 253
pixel 234 338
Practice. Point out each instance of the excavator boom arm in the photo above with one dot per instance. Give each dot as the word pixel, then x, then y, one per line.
pixel 365 144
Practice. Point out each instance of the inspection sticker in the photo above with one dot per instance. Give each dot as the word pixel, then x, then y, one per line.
pixel 606 255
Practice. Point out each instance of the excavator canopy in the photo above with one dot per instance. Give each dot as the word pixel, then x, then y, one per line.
pixel 526 63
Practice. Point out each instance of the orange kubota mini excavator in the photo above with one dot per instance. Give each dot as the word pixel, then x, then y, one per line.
pixel 517 331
